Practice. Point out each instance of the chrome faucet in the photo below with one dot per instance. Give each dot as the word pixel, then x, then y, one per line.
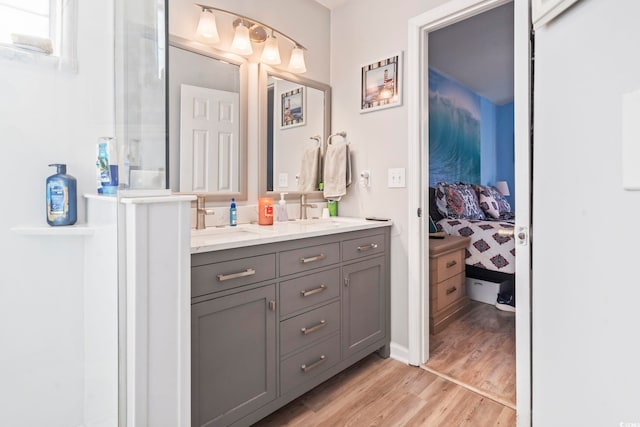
pixel 304 205
pixel 201 213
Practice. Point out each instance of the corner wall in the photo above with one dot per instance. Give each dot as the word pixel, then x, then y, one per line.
pixel 378 138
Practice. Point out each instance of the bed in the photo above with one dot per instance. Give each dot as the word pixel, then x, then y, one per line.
pixel 463 210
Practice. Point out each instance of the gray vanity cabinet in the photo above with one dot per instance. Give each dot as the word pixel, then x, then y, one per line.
pixel 272 321
pixel 363 305
pixel 233 359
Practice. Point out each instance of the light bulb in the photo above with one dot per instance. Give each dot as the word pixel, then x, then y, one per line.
pixel 296 63
pixel 207 28
pixel 271 52
pixel 241 43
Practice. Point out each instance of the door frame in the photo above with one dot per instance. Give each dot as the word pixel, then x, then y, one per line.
pixel 418 172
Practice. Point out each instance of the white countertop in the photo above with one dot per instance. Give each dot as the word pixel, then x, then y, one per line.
pixel 227 237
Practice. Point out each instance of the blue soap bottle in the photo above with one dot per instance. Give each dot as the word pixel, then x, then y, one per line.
pixel 233 213
pixel 62 203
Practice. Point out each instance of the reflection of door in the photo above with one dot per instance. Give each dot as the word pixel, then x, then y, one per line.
pixel 418 298
pixel 209 139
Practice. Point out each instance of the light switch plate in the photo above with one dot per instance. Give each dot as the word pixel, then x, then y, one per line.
pixel 396 178
pixel 631 140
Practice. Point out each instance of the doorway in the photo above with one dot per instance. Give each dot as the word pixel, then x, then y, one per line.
pixel 418 66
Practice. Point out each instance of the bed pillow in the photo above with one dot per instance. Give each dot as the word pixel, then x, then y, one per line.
pixel 458 201
pixel 493 203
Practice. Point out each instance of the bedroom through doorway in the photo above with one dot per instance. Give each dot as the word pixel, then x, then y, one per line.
pixel 471 199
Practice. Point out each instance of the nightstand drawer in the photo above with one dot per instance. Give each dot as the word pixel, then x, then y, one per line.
pixel 447 265
pixel 449 291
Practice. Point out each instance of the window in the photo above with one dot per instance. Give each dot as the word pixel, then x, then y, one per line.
pixel 37 28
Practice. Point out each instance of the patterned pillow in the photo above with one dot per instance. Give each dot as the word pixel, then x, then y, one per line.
pixel 493 203
pixel 458 201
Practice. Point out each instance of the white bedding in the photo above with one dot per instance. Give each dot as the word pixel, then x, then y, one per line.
pixel 487 249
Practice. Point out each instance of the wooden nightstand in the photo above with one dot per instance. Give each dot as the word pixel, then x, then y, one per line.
pixel 447 293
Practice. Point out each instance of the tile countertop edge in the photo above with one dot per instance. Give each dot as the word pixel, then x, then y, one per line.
pixel 274 236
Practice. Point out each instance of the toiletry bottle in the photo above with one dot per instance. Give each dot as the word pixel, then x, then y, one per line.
pixel 281 214
pixel 233 213
pixel 62 208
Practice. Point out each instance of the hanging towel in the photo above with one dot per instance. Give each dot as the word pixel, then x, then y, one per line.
pixel 337 170
pixel 308 178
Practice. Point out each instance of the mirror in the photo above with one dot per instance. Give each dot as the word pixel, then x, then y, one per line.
pixel 207 107
pixel 295 116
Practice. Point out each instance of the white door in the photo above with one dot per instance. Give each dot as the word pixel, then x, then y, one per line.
pixel 418 178
pixel 209 140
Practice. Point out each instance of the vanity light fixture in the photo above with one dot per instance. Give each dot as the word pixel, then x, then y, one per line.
pixel 207 27
pixel 250 34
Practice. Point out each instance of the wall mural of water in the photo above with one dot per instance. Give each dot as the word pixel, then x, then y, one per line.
pixel 454 131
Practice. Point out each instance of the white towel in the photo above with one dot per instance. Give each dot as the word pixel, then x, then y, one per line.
pixel 337 170
pixel 308 178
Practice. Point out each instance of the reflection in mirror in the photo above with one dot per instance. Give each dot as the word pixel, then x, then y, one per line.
pixel 207 104
pixel 295 117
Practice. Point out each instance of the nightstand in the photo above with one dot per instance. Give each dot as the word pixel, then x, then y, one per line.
pixel 447 292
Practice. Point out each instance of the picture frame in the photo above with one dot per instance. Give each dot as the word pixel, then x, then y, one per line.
pixel 292 108
pixel 381 84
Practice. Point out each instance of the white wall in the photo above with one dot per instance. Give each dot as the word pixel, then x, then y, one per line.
pixel 48 116
pixel 361 34
pixel 585 256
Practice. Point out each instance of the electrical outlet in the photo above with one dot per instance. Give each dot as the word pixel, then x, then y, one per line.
pixel 396 178
pixel 283 180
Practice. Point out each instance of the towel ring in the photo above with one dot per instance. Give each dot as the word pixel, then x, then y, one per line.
pixel 342 134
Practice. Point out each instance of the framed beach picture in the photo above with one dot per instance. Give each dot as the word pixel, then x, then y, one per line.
pixel 292 108
pixel 381 85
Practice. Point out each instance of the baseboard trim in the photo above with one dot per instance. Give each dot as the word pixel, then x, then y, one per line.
pixel 399 353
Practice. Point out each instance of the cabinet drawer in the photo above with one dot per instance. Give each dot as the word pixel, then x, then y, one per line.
pixel 305 365
pixel 306 328
pixel 309 290
pixel 206 279
pixel 447 265
pixel 304 259
pixel 449 291
pixel 364 246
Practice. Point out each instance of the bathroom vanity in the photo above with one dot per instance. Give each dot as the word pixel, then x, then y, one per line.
pixel 277 310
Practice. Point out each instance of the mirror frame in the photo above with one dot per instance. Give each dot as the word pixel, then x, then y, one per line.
pixel 265 72
pixel 211 52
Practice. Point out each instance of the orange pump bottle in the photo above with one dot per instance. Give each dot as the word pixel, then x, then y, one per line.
pixel 265 211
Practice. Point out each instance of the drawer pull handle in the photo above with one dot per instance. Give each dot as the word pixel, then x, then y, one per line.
pixel 367 247
pixel 451 290
pixel 320 325
pixel 313 258
pixel 313 291
pixel 320 361
pixel 451 264
pixel 247 272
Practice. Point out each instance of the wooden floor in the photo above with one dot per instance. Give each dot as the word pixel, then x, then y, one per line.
pixel 479 350
pixel 385 392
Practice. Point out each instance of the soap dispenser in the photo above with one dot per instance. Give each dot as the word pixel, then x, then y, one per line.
pixel 233 213
pixel 282 209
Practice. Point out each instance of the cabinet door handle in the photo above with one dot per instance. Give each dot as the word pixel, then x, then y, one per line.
pixel 247 272
pixel 367 247
pixel 320 325
pixel 451 290
pixel 451 264
pixel 272 305
pixel 313 258
pixel 319 362
pixel 313 291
